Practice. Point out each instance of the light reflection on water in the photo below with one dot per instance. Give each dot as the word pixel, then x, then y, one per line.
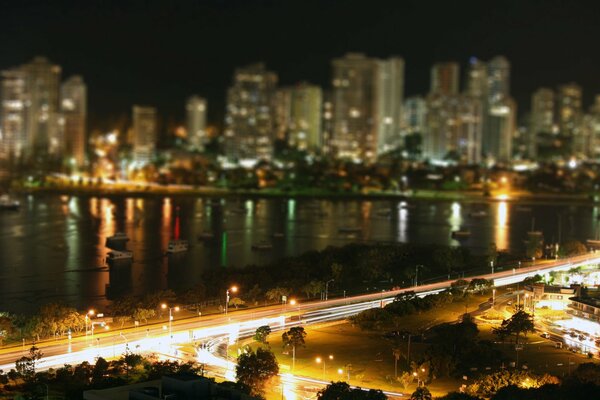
pixel 52 248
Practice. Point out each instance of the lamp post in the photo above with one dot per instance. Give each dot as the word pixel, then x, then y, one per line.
pixel 327 288
pixel 320 360
pixel 233 289
pixel 171 309
pixel 493 297
pixel 417 274
pixel 88 320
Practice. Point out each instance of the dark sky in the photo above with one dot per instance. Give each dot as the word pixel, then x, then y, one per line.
pixel 160 52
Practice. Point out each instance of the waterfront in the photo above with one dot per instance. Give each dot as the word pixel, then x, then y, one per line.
pixel 53 247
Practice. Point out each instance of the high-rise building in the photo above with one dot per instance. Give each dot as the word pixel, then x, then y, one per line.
pixel 42 87
pixel 444 78
pixel 304 132
pixel 415 113
pixel 30 112
pixel 591 124
pixel 196 122
pixel 144 134
pixel 453 129
pixel 327 125
pixel 250 114
pixel 390 92
pixel 569 114
pixel 367 105
pixel 477 79
pixel 542 118
pixel 13 117
pixel 500 112
pixel 74 114
pixel 354 107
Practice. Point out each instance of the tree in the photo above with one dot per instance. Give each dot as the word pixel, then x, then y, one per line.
pixel 343 391
pixel 255 368
pixel 458 396
pixel 143 314
pixel 313 288
pixel 520 323
pixel 121 319
pixel 422 393
pixel 336 271
pixel 6 327
pixel 236 301
pixel 277 293
pixel 261 334
pixel 571 248
pixel 25 365
pixel 293 338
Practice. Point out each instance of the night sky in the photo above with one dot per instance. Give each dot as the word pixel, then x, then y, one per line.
pixel 160 52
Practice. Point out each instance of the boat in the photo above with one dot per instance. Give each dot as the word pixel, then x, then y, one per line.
pixel 478 214
pixel 262 246
pixel 115 255
pixel 206 235
pixel 119 239
pixel 349 229
pixel 8 203
pixel 177 246
pixel 461 234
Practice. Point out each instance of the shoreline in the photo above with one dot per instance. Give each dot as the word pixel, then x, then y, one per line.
pixel 522 197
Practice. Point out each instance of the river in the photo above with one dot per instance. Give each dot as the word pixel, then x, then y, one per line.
pixel 53 248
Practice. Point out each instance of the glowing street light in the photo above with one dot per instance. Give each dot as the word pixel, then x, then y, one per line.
pixel 320 360
pixel 232 289
pixel 171 309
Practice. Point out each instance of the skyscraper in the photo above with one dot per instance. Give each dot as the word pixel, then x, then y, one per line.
pixel 453 129
pixel 367 105
pixel 542 117
pixel 196 122
pixel 74 113
pixel 499 112
pixel 250 114
pixel 390 92
pixel 569 113
pixel 415 112
pixel 304 131
pixel 444 78
pixel 44 139
pixel 13 117
pixel 144 134
pixel 29 112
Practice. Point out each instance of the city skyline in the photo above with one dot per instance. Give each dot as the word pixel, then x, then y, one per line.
pixel 119 75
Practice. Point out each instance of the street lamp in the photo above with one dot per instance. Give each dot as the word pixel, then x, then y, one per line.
pixel 88 319
pixel 327 288
pixel 233 289
pixel 320 360
pixel 171 309
pixel 292 302
pixel 493 297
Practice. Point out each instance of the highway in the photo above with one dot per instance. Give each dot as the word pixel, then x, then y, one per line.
pixel 156 338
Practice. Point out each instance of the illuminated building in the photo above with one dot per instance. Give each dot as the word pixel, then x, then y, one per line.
pixel 591 129
pixel 196 122
pixel 301 120
pixel 552 297
pixel 367 105
pixel 415 113
pixel 569 114
pixel 500 112
pixel 250 114
pixel 29 113
pixel 144 134
pixel 13 134
pixel 390 92
pixel 74 112
pixel 542 117
pixel 588 308
pixel 327 123
pixel 444 78
pixel 44 138
pixel 453 129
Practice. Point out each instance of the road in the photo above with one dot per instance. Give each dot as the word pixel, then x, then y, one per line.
pixel 156 337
